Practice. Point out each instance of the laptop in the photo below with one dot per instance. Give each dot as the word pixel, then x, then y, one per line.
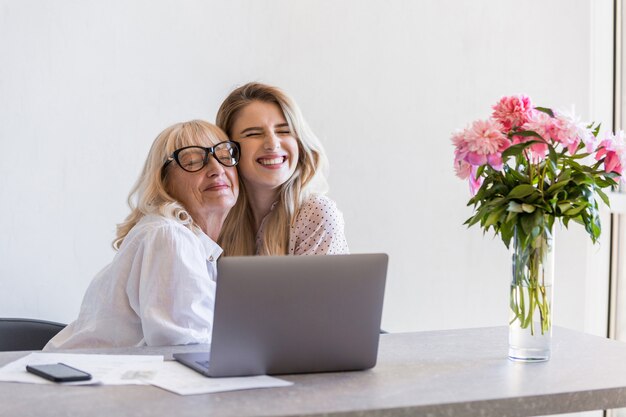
pixel 294 314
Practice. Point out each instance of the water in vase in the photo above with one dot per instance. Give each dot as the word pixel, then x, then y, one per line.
pixel 530 324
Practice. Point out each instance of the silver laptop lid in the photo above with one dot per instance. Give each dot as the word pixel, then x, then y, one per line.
pixel 295 314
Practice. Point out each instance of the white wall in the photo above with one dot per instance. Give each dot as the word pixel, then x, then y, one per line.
pixel 85 86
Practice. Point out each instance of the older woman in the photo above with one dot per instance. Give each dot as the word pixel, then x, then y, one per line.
pixel 282 209
pixel 160 287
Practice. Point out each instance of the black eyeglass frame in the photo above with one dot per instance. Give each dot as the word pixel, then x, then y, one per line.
pixel 207 152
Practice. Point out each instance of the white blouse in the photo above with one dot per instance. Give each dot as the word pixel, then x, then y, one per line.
pixel 159 290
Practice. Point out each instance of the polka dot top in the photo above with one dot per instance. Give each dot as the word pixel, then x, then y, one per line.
pixel 318 229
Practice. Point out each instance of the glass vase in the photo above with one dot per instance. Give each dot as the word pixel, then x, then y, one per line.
pixel 530 306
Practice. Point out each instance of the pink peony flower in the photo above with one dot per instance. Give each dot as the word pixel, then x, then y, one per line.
pixel 462 169
pixel 540 123
pixel 465 170
pixel 562 129
pixel 613 150
pixel 481 143
pixel 536 152
pixel 513 111
pixel 548 128
pixel 474 183
pixel 570 131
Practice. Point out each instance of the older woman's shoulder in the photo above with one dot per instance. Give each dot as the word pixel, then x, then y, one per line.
pixel 153 221
pixel 154 232
pixel 154 226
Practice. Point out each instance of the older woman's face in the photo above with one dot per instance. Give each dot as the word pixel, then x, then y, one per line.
pixel 211 191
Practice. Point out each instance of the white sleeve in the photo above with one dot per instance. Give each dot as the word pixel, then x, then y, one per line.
pixel 175 293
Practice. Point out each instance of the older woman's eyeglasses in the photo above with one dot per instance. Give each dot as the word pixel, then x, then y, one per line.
pixel 194 158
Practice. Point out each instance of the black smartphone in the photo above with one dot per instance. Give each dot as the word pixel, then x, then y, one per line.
pixel 58 372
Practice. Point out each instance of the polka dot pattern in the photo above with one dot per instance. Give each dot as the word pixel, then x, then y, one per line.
pixel 318 229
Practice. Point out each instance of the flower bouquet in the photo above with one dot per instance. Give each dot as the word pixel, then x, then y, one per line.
pixel 528 166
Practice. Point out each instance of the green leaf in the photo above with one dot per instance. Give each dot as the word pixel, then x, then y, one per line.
pixel 510 218
pixel 596 130
pixel 555 187
pixel 552 154
pixel 528 223
pixel 518 176
pixel 545 110
pixel 519 148
pixel 575 210
pixel 564 206
pixel 506 231
pixel 535 232
pixel 604 197
pixel 565 175
pixel 494 217
pixel 527 134
pixel 522 191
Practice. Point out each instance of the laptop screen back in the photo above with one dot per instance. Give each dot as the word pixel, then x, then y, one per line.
pixel 295 314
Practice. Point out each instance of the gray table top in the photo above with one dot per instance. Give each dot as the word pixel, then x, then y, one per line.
pixel 441 373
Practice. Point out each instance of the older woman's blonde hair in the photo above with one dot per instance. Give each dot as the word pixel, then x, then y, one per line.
pixel 149 195
pixel 238 236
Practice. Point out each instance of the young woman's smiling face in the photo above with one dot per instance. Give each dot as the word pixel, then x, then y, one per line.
pixel 269 150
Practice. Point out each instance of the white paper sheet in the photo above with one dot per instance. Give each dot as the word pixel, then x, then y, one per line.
pixel 181 380
pixel 135 370
pixel 105 369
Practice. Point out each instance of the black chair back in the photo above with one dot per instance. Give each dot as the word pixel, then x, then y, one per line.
pixel 26 334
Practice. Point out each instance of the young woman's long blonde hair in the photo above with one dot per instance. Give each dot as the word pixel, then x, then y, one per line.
pixel 149 195
pixel 238 236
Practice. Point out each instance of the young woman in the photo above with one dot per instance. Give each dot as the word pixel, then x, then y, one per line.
pixel 160 287
pixel 281 208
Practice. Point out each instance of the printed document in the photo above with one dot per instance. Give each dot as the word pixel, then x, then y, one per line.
pixel 136 370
